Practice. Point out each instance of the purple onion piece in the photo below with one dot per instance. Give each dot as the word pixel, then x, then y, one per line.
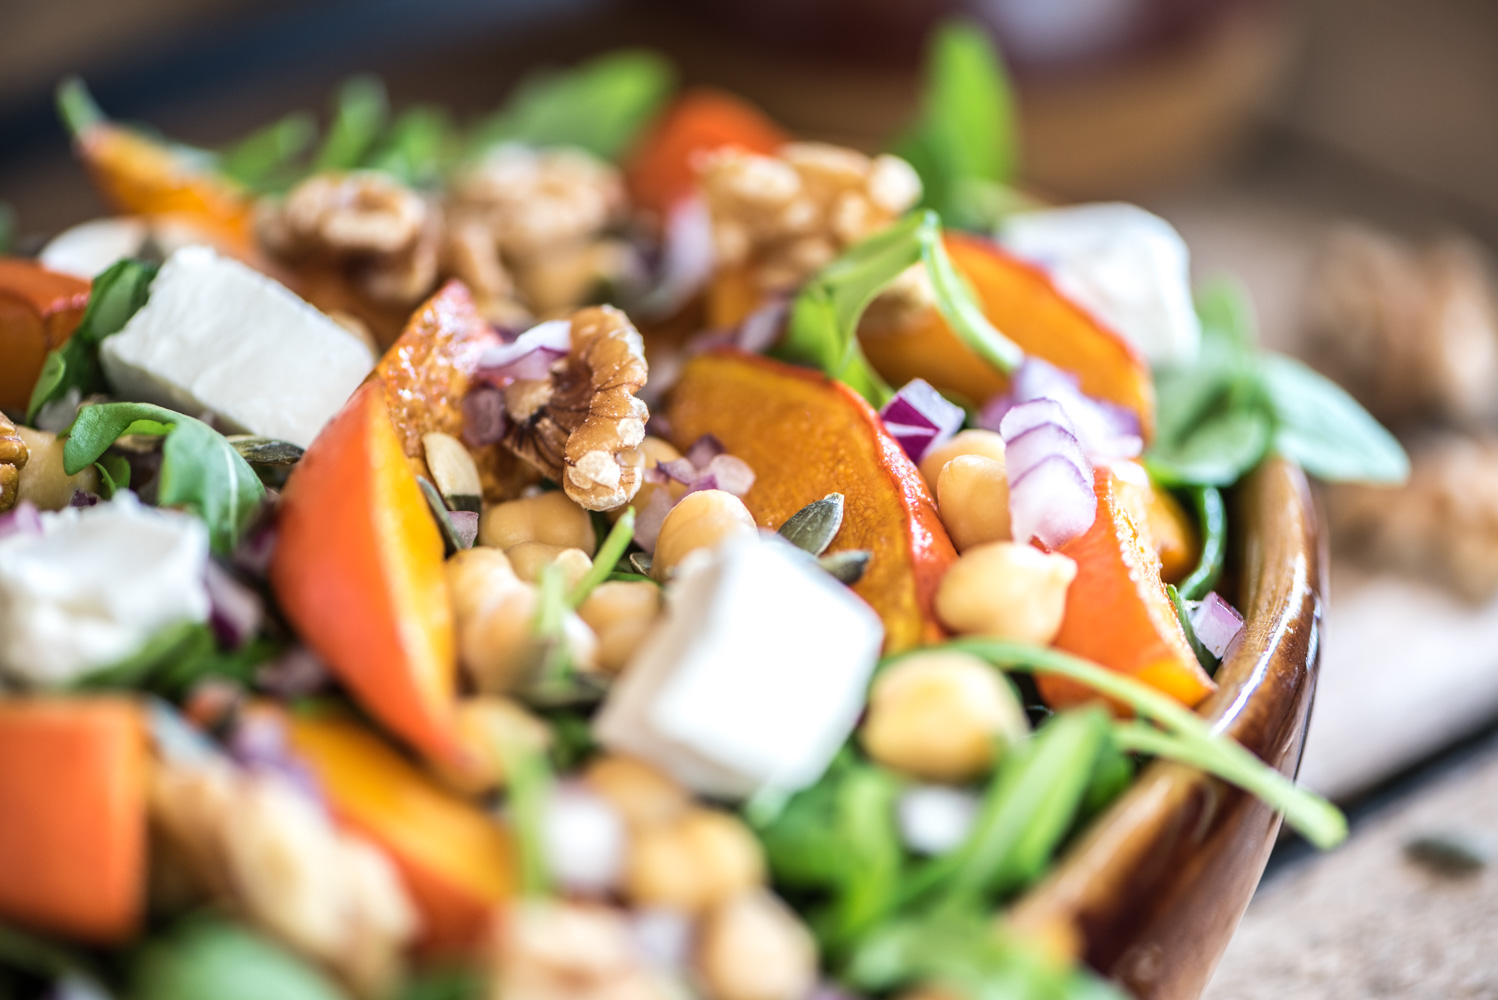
pixel 23 519
pixel 1053 503
pixel 1030 414
pixel 682 470
pixel 706 481
pixel 918 417
pixel 1040 443
pixel 731 474
pixel 1106 430
pixel 253 554
pixel 296 673
pixel 465 525
pixel 551 339
pixel 650 517
pixel 704 450
pixel 762 328
pixel 1216 623
pixel 235 610
pixel 686 259
pixel 484 420
pixel 258 743
pixel 83 498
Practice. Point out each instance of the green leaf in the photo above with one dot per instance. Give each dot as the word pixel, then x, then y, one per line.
pixel 607 559
pixel 419 146
pixel 600 106
pixel 1324 429
pixel 871 856
pixel 1220 450
pixel 41 956
pixel 265 159
pixel 528 787
pixel 114 474
pixel 117 295
pixel 1226 312
pixel 185 642
pixel 200 470
pixel 457 982
pixel 1212 525
pixel 360 113
pixel 964 145
pixel 76 106
pixel 8 228
pixel 211 957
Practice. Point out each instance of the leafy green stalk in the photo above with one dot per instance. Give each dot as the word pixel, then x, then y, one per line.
pixel 264 159
pixel 1310 815
pixel 76 106
pixel 117 294
pixel 1212 523
pixel 609 554
pixel 200 470
pixel 418 147
pixel 869 844
pixel 360 113
pixel 528 787
pixel 208 956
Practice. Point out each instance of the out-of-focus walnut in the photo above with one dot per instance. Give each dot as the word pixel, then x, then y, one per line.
pixel 785 216
pixel 255 842
pixel 13 456
pixel 1412 332
pixel 1442 524
pixel 559 950
pixel 583 426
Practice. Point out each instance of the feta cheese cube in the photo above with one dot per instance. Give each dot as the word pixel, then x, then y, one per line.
pixel 755 677
pixel 220 337
pixel 1129 267
pixel 95 585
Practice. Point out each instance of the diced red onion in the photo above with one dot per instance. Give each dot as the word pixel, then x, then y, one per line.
pixel 731 474
pixel 465 525
pixel 83 498
pixel 235 610
pixel 686 260
pixel 1216 623
pixel 935 819
pixel 484 420
pixel 1106 430
pixel 258 742
pixel 1022 417
pixel 253 553
pixel 762 328
pixel 704 450
pixel 584 840
pixel 706 481
pixel 682 470
pixel 530 356
pixel 649 518
pixel 296 673
pixel 1053 502
pixel 919 417
pixel 1039 443
pixel 663 936
pixel 23 519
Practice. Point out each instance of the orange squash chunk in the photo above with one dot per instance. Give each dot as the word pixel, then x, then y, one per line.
pixel 805 436
pixel 73 816
pixel 457 862
pixel 1117 611
pixel 39 310
pixel 1020 300
pixel 358 570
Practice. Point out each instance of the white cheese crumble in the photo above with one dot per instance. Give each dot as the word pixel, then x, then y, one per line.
pixel 95 585
pixel 754 678
pixel 220 337
pixel 1129 267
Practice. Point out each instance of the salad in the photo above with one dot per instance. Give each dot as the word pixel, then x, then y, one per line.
pixel 612 549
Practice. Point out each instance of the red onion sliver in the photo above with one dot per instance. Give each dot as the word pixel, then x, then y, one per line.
pixel 235 611
pixel 83 498
pixel 24 519
pixel 919 417
pixel 1105 430
pixel 1052 502
pixel 1022 417
pixel 296 673
pixel 704 450
pixel 465 525
pixel 762 328
pixel 484 420
pixel 682 470
pixel 1040 443
pixel 731 474
pixel 531 355
pixel 1216 623
pixel 687 259
pixel 649 518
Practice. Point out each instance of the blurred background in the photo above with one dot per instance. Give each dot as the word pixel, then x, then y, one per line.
pixel 1339 156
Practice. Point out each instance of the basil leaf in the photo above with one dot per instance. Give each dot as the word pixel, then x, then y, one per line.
pixel 1218 452
pixel 823 327
pixel 600 106
pixel 1226 312
pixel 117 295
pixel 264 160
pixel 200 470
pixel 360 113
pixel 1324 429
pixel 964 145
pixel 211 957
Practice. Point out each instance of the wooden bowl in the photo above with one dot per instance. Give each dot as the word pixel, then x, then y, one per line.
pixel 1153 891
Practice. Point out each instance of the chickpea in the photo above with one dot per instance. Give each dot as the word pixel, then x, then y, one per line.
pixel 701 859
pixel 530 558
pixel 754 947
pixel 985 443
pixel 942 716
pixel 484 724
pixel 972 494
pixel 620 613
pixel 42 480
pixel 1006 590
pixel 643 795
pixel 547 517
pixel 702 520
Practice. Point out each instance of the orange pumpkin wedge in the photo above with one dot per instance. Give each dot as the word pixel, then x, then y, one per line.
pixel 1022 302
pixel 457 862
pixel 39 310
pixel 664 169
pixel 1117 611
pixel 805 436
pixel 73 816
pixel 358 570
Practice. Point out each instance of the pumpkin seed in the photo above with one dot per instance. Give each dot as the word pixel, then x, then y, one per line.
pixel 813 527
pixel 454 471
pixel 848 565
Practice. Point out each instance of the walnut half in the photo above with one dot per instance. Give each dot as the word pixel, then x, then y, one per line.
pixel 583 426
pixel 13 456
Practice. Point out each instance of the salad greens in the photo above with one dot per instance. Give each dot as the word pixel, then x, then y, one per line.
pixel 606 561
pixel 117 294
pixel 361 112
pixel 200 469
pixel 208 956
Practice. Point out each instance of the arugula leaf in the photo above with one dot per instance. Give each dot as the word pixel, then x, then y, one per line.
pixel 1324 429
pixel 117 295
pixel 609 554
pixel 360 113
pixel 264 160
pixel 823 327
pixel 176 658
pixel 207 956
pixel 964 145
pixel 528 781
pixel 600 106
pixel 114 474
pixel 200 470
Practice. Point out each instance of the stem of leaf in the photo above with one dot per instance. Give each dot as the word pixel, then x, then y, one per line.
pixel 609 554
